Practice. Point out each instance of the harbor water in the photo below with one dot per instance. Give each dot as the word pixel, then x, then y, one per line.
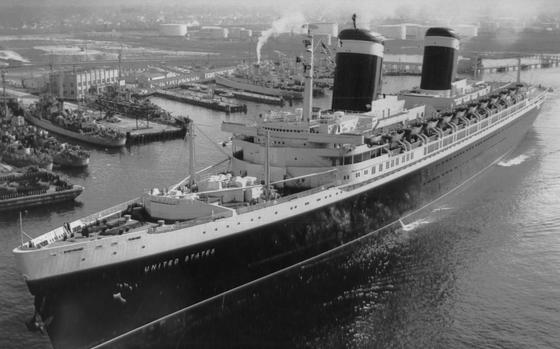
pixel 478 268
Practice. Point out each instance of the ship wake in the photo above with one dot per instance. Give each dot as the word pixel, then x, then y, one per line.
pixel 412 226
pixel 518 160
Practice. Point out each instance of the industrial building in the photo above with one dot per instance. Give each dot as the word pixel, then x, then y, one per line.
pixel 466 31
pixel 392 31
pixel 213 33
pixel 411 31
pixel 402 31
pixel 324 29
pixel 75 85
pixel 173 29
pixel 242 34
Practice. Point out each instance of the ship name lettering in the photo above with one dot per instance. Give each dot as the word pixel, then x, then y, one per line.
pixel 175 261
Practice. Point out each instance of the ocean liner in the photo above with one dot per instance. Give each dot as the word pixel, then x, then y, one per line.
pixel 296 185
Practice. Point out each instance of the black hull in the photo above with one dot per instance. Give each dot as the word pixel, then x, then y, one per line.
pixel 83 309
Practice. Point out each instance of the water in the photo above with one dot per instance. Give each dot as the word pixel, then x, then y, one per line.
pixel 477 269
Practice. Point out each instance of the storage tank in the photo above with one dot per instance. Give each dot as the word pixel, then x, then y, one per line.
pixel 357 78
pixel 441 48
pixel 173 29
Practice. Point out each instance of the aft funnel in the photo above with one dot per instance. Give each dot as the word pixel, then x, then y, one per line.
pixel 441 47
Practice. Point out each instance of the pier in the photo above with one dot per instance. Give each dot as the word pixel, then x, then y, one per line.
pixel 252 97
pixel 141 131
pixel 198 100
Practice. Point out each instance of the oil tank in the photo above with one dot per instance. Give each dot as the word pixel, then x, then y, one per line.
pixel 441 48
pixel 357 78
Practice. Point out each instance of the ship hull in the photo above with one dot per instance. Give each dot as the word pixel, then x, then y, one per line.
pixel 49 126
pixel 269 91
pixel 86 308
pixel 75 161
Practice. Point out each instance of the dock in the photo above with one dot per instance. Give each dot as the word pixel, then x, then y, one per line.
pixel 199 100
pixel 252 97
pixel 142 131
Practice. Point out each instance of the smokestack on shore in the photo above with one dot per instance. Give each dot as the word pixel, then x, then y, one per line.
pixel 441 52
pixel 357 78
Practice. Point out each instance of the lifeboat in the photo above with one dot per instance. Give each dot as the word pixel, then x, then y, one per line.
pixel 415 129
pixel 397 136
pixel 432 123
pixel 446 117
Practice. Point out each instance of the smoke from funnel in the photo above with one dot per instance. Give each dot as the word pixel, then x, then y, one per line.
pixel 293 21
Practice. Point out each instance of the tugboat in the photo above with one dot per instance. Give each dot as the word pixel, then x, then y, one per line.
pixel 296 185
pixel 76 124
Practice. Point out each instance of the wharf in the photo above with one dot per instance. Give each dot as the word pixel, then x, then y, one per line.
pixel 198 100
pixel 141 131
pixel 253 97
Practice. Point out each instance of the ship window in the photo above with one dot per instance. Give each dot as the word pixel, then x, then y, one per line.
pixel 397 161
pixel 411 156
pixel 392 163
pixel 380 167
pixel 403 158
pixel 357 175
pixel 357 158
pixel 373 170
pixel 347 160
pixel 366 172
pixel 387 164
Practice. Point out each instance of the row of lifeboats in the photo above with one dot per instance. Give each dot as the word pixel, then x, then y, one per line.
pixel 421 131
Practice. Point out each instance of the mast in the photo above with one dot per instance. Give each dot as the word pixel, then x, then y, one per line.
pixel 476 67
pixel 267 166
pixel 190 141
pixel 518 70
pixel 21 228
pixel 308 75
pixel 4 94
